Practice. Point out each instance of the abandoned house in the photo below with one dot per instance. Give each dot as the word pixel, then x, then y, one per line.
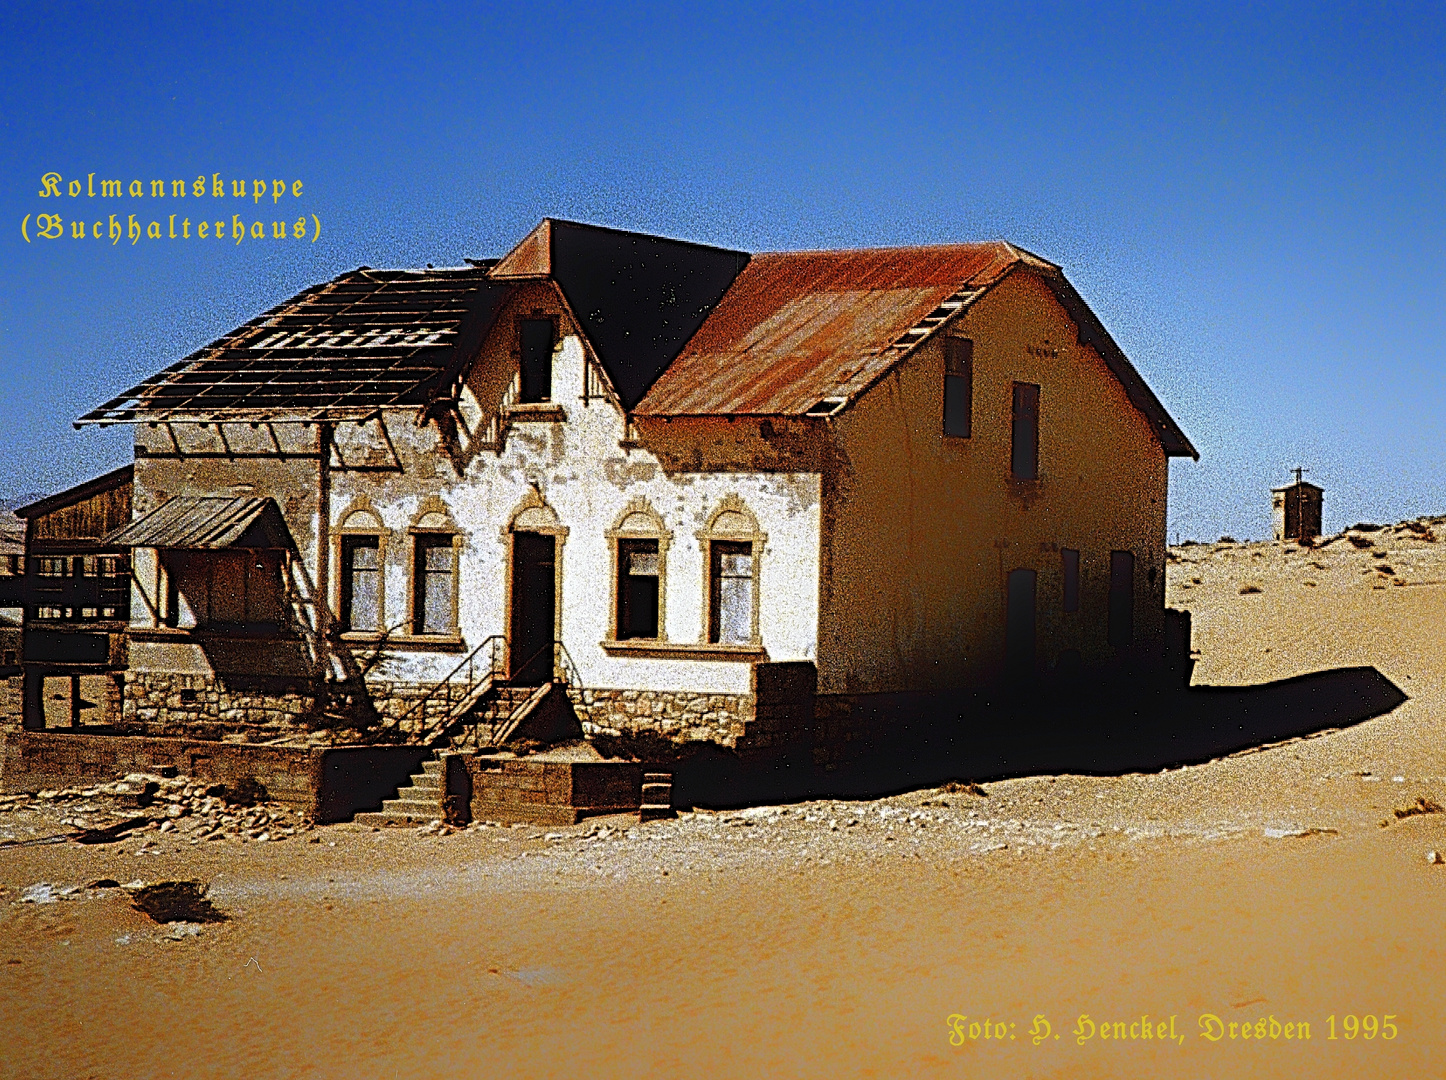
pixel 695 491
pixel 76 598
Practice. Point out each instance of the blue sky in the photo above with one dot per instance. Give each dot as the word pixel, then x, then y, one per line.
pixel 1251 200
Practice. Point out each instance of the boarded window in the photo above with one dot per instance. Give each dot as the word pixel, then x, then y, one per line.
pixel 958 387
pixel 1122 599
pixel 434 586
pixel 536 347
pixel 637 589
pixel 1069 563
pixel 1019 624
pixel 1024 457
pixel 361 584
pixel 731 587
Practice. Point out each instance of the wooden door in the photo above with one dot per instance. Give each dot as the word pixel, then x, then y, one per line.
pixel 534 607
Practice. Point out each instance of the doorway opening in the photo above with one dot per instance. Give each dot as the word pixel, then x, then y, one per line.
pixel 534 607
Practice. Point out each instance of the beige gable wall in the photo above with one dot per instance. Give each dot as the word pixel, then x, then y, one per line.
pixel 922 531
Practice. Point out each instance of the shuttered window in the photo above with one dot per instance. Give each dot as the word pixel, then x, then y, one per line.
pixel 958 387
pixel 1024 457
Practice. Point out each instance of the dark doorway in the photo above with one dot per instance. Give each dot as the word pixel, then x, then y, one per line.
pixel 534 607
pixel 1019 625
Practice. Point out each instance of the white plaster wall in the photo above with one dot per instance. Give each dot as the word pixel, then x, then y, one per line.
pixel 588 479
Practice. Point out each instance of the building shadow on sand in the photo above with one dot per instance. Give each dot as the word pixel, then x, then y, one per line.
pixel 916 741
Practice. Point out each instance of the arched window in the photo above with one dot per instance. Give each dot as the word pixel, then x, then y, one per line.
pixel 732 547
pixel 435 562
pixel 360 547
pixel 639 542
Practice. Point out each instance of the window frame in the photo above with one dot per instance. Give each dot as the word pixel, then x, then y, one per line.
pixel 432 522
pixel 521 397
pixel 959 372
pixel 637 521
pixel 360 519
pixel 1024 416
pixel 718 531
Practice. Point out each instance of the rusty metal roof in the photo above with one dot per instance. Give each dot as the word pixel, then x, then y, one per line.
pixel 800 326
pixel 798 330
pixel 369 339
pixel 184 521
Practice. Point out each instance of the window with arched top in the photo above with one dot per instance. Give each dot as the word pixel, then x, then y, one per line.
pixel 359 544
pixel 639 542
pixel 732 546
pixel 435 559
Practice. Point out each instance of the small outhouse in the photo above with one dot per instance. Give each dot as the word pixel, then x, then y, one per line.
pixel 1296 510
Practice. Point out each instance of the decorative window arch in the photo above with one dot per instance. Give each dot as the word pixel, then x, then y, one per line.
pixel 435 563
pixel 638 544
pixel 359 552
pixel 732 546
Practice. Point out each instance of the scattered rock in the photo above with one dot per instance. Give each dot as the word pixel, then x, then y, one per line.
pixel 1422 805
pixel 176 901
pixel 39 893
pixel 963 787
pixel 1435 858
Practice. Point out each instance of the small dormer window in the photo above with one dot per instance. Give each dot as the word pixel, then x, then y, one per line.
pixel 536 341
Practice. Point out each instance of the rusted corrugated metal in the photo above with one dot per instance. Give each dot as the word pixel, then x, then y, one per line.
pixel 798 330
pixel 798 327
pixel 205 522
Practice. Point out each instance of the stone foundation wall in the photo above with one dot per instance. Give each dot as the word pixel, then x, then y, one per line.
pixel 159 703
pixel 392 700
pixel 326 783
pixel 678 715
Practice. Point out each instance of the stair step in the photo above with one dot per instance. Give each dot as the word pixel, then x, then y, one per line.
pixel 428 807
pixel 430 768
pixel 427 781
pixel 386 817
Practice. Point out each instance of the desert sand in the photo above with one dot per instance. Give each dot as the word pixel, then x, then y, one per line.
pixel 1273 887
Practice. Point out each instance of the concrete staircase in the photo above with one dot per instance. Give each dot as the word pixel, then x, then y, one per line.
pixel 418 803
pixel 490 720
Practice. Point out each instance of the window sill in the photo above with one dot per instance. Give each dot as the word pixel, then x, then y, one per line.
pixel 203 633
pixel 406 642
pixel 535 412
pixel 647 648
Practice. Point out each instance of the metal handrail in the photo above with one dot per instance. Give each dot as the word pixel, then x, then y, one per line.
pixel 446 682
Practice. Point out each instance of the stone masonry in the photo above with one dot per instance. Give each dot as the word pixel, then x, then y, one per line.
pixel 677 715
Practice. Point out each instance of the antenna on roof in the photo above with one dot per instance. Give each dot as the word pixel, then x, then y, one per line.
pixel 1298 470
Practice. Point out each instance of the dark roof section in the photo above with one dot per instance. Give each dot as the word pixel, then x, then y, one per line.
pixel 639 298
pixel 70 496
pixel 807 332
pixel 184 521
pixel 368 340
